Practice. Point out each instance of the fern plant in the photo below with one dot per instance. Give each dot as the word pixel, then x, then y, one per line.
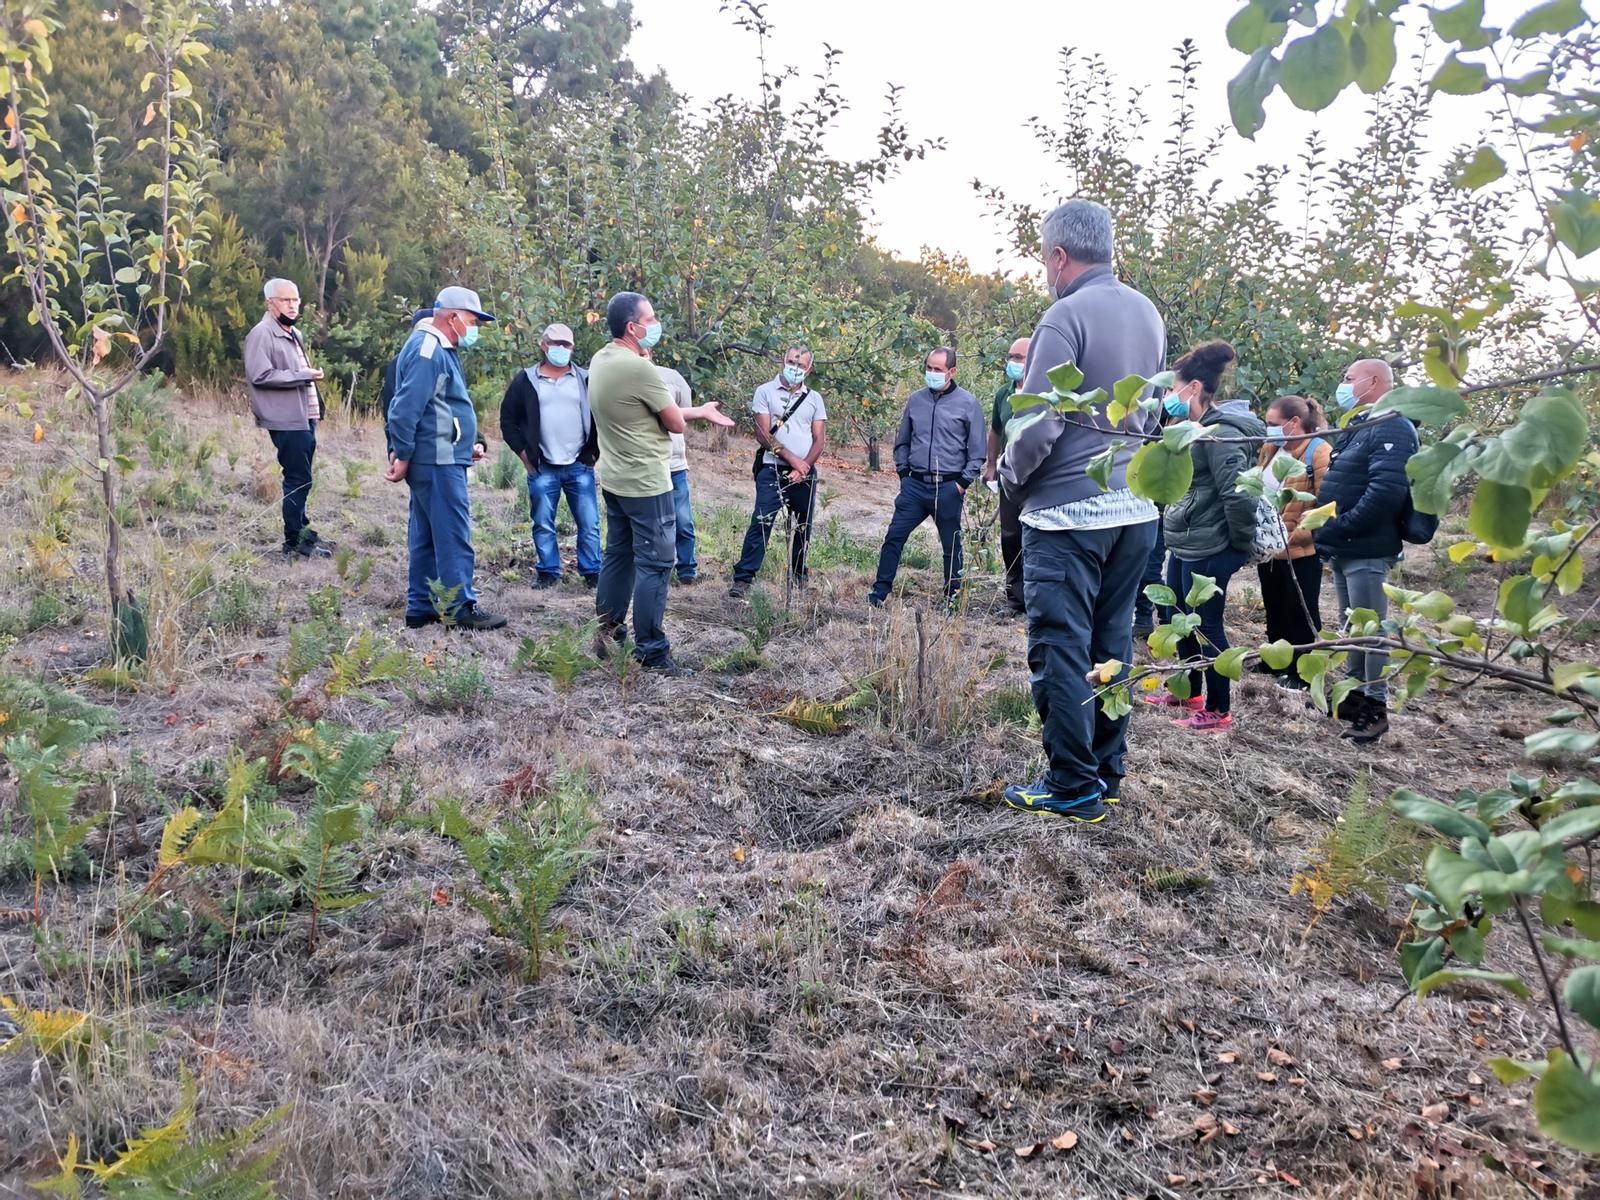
pixel 1367 849
pixel 523 866
pixel 562 655
pixel 168 1160
pixel 368 660
pixel 48 1033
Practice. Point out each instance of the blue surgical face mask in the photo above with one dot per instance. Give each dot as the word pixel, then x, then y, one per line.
pixel 469 338
pixel 1175 406
pixel 652 334
pixel 558 356
pixel 1275 435
pixel 792 375
pixel 934 380
pixel 1345 396
pixel 1014 371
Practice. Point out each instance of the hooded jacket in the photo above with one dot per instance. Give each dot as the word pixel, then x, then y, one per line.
pixel 1214 515
pixel 1367 482
pixel 430 419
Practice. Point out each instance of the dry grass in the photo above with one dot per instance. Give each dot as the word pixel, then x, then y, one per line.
pixel 799 965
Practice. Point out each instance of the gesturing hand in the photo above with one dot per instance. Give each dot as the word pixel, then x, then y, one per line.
pixel 714 414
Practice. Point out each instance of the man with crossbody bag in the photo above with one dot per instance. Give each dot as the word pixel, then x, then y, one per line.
pixel 790 421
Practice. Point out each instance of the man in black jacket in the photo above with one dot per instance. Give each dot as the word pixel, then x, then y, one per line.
pixel 938 453
pixel 545 419
pixel 1367 483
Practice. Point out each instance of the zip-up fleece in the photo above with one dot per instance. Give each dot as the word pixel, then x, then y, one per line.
pixel 942 433
pixel 431 418
pixel 1214 514
pixel 1109 331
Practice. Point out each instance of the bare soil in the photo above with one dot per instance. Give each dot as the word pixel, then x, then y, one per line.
pixel 799 965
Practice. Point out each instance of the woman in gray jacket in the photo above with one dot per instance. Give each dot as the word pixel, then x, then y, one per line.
pixel 1210 531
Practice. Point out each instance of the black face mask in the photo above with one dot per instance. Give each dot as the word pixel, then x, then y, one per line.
pixel 286 320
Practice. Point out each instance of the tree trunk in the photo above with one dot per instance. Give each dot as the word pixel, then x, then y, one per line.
pixel 874 460
pixel 108 492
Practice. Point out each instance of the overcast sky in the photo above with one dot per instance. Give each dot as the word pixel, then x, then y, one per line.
pixel 974 75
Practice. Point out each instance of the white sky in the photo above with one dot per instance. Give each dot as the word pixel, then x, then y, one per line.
pixel 974 75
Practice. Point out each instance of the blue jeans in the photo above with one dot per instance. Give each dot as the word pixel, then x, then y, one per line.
pixel 917 501
pixel 687 566
pixel 1079 587
pixel 1211 639
pixel 297 449
pixel 545 488
pixel 641 532
pixel 439 536
pixel 1358 583
pixel 799 496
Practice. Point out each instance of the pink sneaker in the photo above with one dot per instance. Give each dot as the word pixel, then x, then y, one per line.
pixel 1165 699
pixel 1206 722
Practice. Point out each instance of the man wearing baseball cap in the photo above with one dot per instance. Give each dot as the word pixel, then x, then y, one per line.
pixel 386 389
pixel 433 439
pixel 545 419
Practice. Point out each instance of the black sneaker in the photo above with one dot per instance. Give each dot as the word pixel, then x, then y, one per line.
pixel 591 582
pixel 1261 668
pixel 419 621
pixel 688 580
pixel 874 601
pixel 470 616
pixel 668 666
pixel 544 582
pixel 1293 683
pixel 739 589
pixel 308 550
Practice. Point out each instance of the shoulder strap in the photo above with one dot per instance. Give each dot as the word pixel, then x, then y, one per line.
pixel 793 408
pixel 1311 448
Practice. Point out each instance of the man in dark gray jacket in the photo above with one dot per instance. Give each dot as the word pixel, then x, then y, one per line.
pixel 938 453
pixel 285 402
pixel 1083 548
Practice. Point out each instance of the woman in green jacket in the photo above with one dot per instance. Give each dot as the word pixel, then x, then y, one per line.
pixel 1210 531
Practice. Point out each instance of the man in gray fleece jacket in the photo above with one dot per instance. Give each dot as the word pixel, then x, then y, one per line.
pixel 937 454
pixel 1083 548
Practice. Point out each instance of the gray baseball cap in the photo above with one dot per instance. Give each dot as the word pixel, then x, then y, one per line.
pixel 557 332
pixel 463 298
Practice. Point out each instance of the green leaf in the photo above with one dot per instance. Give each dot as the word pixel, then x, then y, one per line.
pixel 1433 471
pixel 1253 28
pixel 1448 821
pixel 1462 25
pixel 1558 16
pixel 1566 1104
pixel 1582 792
pixel 1520 602
pixel 1418 960
pixel 1500 514
pixel 1026 402
pixel 127 275
pixel 1436 606
pixel 1277 655
pixel 1482 169
pixel 1424 405
pixel 1542 447
pixel 1064 378
pixel 1583 948
pixel 1559 741
pixel 1457 78
pixel 1584 914
pixel 1504 979
pixel 1160 474
pixel 1510 1070
pixel 1467 942
pixel 1528 85
pixel 1125 397
pixel 1201 589
pixel 1230 663
pixel 1316 68
pixel 1248 91
pixel 1582 993
pixel 1160 595
pixel 1576 220
pixel 1099 467
pixel 1578 823
pixel 1451 877
pixel 1374 60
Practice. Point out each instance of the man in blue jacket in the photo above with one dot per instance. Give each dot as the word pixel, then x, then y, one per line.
pixel 938 453
pixel 1367 483
pixel 433 439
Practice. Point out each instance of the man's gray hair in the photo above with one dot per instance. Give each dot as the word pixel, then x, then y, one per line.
pixel 270 288
pixel 1083 229
pixel 803 348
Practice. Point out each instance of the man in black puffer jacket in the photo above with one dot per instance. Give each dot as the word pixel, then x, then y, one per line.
pixel 1367 482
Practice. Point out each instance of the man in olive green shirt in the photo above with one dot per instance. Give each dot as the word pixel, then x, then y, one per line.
pixel 634 418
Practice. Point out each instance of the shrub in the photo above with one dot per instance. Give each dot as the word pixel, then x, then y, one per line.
pixel 457 685
pixel 563 655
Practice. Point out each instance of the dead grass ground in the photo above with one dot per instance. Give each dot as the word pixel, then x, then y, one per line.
pixel 799 965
